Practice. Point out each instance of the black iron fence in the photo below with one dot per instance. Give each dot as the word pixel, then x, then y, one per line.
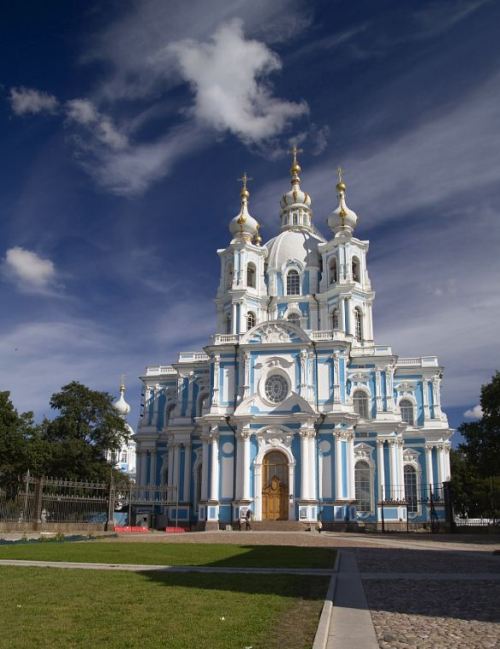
pixel 424 506
pixel 40 501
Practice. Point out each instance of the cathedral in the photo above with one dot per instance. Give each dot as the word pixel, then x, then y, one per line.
pixel 292 411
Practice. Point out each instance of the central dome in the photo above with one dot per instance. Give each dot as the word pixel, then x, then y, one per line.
pixel 297 245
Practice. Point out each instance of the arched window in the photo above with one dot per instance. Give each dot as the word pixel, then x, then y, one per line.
pixel 123 457
pixel 362 487
pixel 335 319
pixel 356 274
pixel 251 320
pixel 358 324
pixel 333 270
pixel 295 218
pixel 293 283
pixel 251 275
pixel 406 407
pixel 360 402
pixel 294 318
pixel 228 324
pixel 411 488
pixel 229 275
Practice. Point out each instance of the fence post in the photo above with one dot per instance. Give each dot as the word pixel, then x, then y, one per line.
pixel 37 514
pixel 111 505
pixel 448 506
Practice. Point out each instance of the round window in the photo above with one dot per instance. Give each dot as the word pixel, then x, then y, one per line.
pixel 276 388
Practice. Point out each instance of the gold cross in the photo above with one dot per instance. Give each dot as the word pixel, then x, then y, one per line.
pixel 340 172
pixel 244 179
pixel 294 150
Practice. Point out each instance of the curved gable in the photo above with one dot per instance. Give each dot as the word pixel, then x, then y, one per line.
pixel 275 331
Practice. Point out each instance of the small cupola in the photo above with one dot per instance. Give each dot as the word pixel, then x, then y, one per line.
pixel 295 204
pixel 244 227
pixel 342 219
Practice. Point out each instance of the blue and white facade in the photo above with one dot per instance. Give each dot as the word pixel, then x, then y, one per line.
pixel 292 410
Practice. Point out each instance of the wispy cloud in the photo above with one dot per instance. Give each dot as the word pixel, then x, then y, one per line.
pixel 30 272
pixel 99 126
pixel 25 101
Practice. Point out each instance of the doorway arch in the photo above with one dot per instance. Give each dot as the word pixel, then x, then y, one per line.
pixel 275 487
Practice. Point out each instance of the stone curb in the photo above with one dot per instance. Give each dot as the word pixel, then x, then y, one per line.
pixel 321 637
pixel 309 572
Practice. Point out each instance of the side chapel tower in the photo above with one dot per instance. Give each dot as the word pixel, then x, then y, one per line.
pixel 292 410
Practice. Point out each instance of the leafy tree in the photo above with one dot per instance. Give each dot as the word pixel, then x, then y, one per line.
pixel 482 438
pixel 16 430
pixel 74 444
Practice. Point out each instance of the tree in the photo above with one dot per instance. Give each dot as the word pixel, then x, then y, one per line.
pixel 16 431
pixel 74 444
pixel 482 437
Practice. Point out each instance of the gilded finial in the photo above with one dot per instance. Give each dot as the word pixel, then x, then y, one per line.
pixel 341 186
pixel 258 238
pixel 122 382
pixel 244 180
pixel 295 168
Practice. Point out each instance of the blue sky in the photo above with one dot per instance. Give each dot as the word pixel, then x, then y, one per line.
pixel 124 126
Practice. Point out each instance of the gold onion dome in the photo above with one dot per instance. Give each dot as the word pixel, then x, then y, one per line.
pixel 342 218
pixel 295 196
pixel 244 226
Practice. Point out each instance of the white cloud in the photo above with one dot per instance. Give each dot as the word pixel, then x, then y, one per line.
pixel 30 101
pixel 228 75
pixel 100 127
pixel 30 272
pixel 474 413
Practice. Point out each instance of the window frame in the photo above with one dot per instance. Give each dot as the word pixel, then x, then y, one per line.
pixel 251 273
pixel 293 272
pixel 366 400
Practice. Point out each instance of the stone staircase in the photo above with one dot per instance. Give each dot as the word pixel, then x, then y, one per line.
pixel 279 526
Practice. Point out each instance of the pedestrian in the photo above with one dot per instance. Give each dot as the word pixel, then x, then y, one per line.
pixel 243 520
pixel 248 519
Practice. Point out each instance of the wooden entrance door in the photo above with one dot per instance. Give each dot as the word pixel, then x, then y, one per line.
pixel 275 487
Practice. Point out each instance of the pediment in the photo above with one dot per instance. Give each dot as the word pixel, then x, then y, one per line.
pixel 254 405
pixel 275 332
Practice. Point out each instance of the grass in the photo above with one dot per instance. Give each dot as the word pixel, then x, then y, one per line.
pixel 194 554
pixel 72 609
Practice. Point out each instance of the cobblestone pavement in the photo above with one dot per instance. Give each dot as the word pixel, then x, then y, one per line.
pixel 435 614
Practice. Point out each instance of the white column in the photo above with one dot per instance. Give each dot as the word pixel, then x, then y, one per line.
pixel 378 387
pixel 152 477
pixel 303 377
pixel 339 495
pixel 350 467
pixel 336 378
pixel 214 478
pixel 425 399
pixel 311 451
pixel 187 473
pixel 238 494
pixel 393 468
pixel 400 465
pixel 348 312
pixel 428 465
pixel 246 467
pixel 246 374
pixel 304 466
pixel 342 322
pixel 389 387
pixel 436 393
pixel 204 470
pixel 215 394
pixel 440 467
pixel 234 320
pixel 381 469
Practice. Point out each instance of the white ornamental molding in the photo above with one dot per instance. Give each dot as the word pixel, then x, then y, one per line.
pixel 360 377
pixel 274 361
pixel 409 455
pixel 275 437
pixel 363 452
pixel 406 388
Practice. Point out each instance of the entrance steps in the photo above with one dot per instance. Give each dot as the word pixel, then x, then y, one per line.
pixel 279 526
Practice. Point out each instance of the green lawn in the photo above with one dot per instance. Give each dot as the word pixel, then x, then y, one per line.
pixel 50 608
pixel 195 554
